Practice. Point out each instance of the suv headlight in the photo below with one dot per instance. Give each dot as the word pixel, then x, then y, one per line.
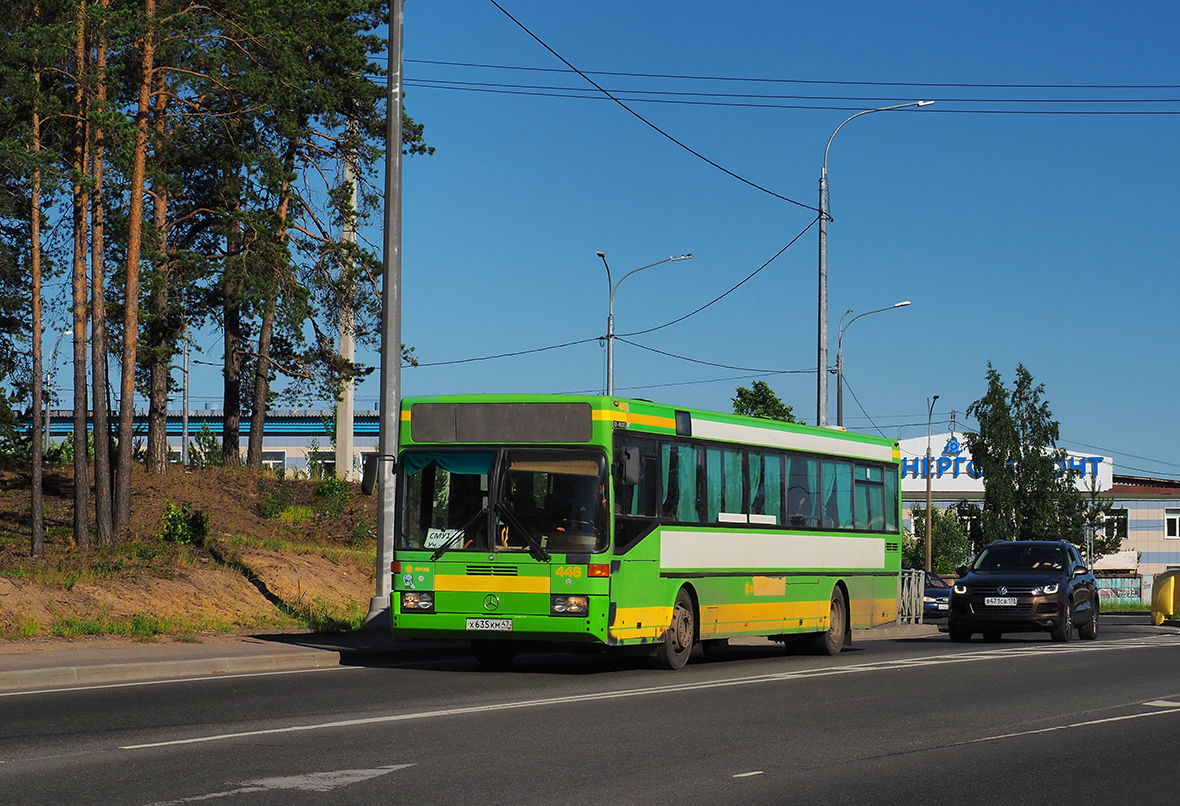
pixel 960 588
pixel 421 601
pixel 1048 589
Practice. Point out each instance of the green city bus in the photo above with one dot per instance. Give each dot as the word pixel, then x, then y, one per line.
pixel 619 523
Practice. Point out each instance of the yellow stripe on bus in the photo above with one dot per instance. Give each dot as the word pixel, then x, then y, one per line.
pixel 641 622
pixel 491 584
pixel 635 419
pixel 762 618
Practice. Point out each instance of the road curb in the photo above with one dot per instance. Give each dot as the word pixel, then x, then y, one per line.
pixel 112 673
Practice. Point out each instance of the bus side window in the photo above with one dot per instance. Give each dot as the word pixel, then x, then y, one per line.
pixel 681 475
pixel 764 483
pixel 837 495
pixel 802 486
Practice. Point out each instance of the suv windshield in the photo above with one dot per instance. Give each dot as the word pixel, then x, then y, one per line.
pixel 1018 557
pixel 547 498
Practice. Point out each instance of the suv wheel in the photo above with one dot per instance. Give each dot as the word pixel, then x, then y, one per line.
pixel 1064 631
pixel 1089 630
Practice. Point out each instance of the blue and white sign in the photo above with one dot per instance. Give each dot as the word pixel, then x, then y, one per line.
pixel 951 469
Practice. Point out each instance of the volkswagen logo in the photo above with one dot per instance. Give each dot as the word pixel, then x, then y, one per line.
pixel 1002 590
pixel 491 602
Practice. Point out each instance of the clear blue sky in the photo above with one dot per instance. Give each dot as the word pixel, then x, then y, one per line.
pixel 1047 239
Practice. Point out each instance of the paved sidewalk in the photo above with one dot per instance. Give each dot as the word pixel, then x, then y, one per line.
pixel 60 663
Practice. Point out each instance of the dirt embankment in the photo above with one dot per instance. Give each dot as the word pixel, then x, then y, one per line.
pixel 276 554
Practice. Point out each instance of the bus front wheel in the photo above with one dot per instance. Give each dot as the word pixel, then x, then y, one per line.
pixel 680 636
pixel 831 641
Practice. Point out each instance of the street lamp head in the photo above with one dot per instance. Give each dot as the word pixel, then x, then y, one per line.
pixel 901 304
pixel 925 103
pixel 600 254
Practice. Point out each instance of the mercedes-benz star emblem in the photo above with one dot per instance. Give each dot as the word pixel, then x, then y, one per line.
pixel 491 602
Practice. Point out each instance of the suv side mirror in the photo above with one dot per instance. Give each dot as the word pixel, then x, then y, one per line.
pixel 961 571
pixel 1080 570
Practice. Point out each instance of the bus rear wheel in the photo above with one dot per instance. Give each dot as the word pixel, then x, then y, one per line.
pixel 493 654
pixel 831 641
pixel 680 636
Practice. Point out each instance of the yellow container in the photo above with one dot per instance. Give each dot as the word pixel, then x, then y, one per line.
pixel 1164 591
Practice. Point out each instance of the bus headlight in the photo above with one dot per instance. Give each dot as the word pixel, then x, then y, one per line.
pixel 569 605
pixel 421 601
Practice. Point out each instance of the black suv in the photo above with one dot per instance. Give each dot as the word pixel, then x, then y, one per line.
pixel 1023 586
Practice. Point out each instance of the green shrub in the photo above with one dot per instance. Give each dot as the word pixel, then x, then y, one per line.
pixel 181 526
pixel 275 500
pixel 361 534
pixel 335 493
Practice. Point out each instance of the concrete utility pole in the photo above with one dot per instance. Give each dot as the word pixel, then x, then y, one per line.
pixel 929 538
pixel 344 406
pixel 391 325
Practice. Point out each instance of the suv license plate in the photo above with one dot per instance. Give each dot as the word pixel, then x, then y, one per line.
pixel 489 624
pixel 1001 601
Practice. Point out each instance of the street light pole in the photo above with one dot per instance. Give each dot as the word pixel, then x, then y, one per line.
pixel 929 539
pixel 610 317
pixel 821 415
pixel 840 356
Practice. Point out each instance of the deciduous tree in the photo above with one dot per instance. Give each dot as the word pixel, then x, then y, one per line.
pixel 1026 494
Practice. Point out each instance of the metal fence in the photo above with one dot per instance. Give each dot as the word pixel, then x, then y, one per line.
pixel 911 587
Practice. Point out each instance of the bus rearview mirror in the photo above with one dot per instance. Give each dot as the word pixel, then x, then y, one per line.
pixel 369 474
pixel 629 466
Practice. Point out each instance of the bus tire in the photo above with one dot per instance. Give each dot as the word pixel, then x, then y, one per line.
pixel 495 655
pixel 679 638
pixel 831 640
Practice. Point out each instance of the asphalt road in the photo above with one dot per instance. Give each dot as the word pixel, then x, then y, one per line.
pixel 905 721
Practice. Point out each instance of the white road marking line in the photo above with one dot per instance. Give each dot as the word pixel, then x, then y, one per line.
pixel 625 693
pixel 1163 704
pixel 311 782
pixel 748 774
pixel 1106 720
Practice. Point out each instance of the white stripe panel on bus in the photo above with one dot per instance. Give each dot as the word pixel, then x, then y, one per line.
pixel 752 435
pixel 759 551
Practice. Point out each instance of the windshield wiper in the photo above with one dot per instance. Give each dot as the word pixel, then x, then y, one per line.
pixel 441 550
pixel 535 548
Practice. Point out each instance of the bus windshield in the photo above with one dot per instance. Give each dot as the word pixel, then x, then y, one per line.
pixel 549 498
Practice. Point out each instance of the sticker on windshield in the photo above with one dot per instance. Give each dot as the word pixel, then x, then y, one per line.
pixel 439 537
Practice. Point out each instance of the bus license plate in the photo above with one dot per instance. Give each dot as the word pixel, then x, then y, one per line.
pixel 999 601
pixel 489 624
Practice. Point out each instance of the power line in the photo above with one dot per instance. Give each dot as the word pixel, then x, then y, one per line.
pixel 821 82
pixel 644 120
pixel 861 99
pixel 507 355
pixel 731 290
pixel 862 408
pixel 714 364
pixel 580 95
